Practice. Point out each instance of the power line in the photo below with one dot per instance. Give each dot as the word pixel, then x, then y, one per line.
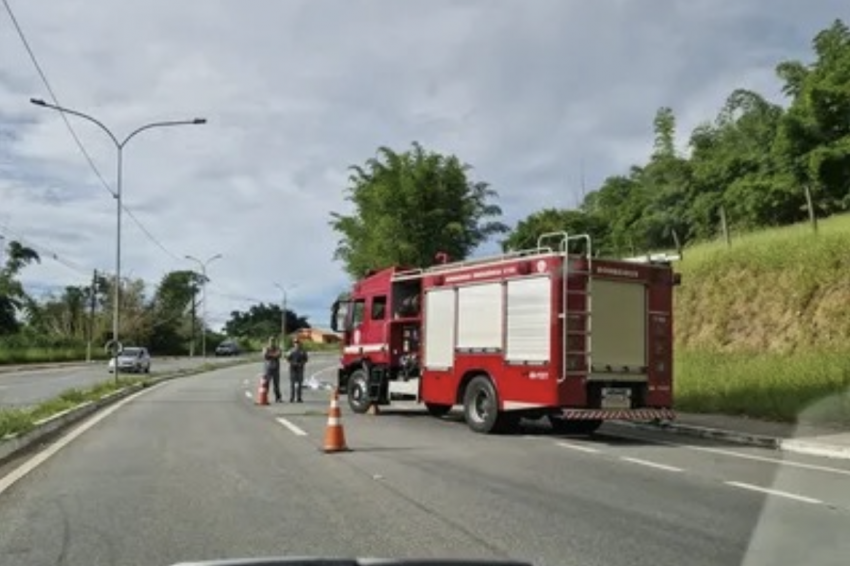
pixel 53 96
pixel 73 133
pixel 48 253
pixel 45 252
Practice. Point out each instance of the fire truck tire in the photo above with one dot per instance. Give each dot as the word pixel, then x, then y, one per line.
pixel 358 391
pixel 438 410
pixel 481 406
pixel 565 426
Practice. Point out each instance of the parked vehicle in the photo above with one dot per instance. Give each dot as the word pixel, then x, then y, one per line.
pixel 135 359
pixel 227 349
pixel 537 333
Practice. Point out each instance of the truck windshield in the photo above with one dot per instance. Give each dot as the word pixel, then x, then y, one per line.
pixel 339 314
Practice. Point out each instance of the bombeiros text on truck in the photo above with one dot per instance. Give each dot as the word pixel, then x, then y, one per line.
pixel 549 332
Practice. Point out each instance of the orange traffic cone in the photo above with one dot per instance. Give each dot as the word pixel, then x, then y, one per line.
pixel 334 433
pixel 263 391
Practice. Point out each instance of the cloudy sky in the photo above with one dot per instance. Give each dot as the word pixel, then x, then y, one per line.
pixel 296 90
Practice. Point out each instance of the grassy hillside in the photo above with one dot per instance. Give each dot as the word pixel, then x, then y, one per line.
pixel 763 327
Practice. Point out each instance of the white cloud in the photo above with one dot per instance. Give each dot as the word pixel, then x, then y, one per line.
pixel 296 91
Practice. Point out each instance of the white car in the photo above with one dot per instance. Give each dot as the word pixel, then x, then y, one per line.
pixel 133 359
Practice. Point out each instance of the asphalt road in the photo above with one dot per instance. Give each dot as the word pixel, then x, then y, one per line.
pixel 192 469
pixel 30 386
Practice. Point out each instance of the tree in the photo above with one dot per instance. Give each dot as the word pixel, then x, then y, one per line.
pixel 170 311
pixel 408 207
pixel 573 222
pixel 13 298
pixel 261 321
pixel 813 145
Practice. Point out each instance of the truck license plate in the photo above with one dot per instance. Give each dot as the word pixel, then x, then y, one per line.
pixel 616 398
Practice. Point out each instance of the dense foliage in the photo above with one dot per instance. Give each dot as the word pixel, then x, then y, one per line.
pixel 168 321
pixel 409 207
pixel 752 165
pixel 262 321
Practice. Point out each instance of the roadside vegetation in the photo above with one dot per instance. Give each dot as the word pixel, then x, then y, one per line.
pixel 763 315
pixel 164 317
pixel 763 325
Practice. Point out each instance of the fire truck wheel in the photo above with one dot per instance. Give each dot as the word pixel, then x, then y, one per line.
pixel 358 392
pixel 480 405
pixel 437 410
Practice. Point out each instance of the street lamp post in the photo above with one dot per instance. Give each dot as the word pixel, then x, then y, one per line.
pixel 118 195
pixel 283 290
pixel 204 265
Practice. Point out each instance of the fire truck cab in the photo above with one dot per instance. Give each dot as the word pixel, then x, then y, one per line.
pixel 547 332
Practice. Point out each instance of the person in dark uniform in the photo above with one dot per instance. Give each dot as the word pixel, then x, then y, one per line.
pixel 297 358
pixel 271 367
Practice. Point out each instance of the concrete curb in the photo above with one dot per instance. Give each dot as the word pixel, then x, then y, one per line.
pixel 810 448
pixel 11 446
pixel 792 445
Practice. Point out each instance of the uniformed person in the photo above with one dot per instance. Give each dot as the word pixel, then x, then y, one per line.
pixel 297 358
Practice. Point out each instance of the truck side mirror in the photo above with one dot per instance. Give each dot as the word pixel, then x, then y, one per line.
pixel 334 312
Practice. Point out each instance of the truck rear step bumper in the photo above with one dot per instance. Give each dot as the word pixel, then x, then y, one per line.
pixel 619 414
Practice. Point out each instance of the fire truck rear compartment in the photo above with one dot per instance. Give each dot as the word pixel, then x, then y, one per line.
pixel 617 379
pixel 618 331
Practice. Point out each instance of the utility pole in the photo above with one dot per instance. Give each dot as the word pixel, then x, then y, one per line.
pixel 283 290
pixel 283 321
pixel 115 344
pixel 192 345
pixel 92 306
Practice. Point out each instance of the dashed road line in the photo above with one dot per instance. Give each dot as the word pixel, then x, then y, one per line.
pixel 740 485
pixel 649 464
pixel 294 429
pixel 578 447
pixel 249 395
pixel 734 454
pixel 776 492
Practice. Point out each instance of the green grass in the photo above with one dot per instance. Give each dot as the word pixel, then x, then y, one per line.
pixel 46 355
pixel 763 327
pixel 811 387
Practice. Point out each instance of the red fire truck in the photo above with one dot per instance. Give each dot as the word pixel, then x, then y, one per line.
pixel 548 332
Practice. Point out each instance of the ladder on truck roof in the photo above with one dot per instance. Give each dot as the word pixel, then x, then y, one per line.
pixel 582 289
pixel 419 272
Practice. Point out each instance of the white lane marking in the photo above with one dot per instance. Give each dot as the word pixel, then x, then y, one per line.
pixel 249 395
pixel 321 371
pixel 578 447
pixel 651 464
pixel 775 492
pixel 814 467
pixel 15 475
pixel 295 430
